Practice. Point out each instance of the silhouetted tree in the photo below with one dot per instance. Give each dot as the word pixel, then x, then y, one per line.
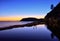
pixel 52 6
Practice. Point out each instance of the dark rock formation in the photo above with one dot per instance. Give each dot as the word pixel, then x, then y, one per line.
pixel 52 20
pixel 53 16
pixel 41 20
pixel 29 19
pixel 54 13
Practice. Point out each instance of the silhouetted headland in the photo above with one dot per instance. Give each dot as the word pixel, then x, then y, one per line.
pixel 32 19
pixel 29 19
pixel 52 20
pixel 53 16
pixel 41 20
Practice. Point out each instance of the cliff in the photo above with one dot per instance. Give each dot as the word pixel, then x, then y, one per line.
pixel 53 17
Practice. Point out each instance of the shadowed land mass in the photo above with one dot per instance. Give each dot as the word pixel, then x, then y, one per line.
pixel 52 20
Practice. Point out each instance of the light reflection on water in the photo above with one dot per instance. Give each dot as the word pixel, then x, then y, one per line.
pixel 34 32
pixel 3 24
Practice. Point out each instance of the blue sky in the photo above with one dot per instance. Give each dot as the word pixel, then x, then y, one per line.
pixel 26 7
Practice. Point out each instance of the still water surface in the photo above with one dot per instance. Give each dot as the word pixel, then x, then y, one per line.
pixel 39 32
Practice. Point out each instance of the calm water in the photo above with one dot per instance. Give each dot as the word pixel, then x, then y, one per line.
pixel 39 32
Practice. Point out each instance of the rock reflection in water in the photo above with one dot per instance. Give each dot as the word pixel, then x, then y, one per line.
pixel 55 29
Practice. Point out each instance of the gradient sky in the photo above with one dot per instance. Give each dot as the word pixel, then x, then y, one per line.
pixel 25 7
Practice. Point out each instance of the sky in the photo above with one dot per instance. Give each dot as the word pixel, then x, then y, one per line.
pixel 16 9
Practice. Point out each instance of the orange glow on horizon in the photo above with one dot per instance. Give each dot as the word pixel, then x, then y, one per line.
pixel 17 18
pixel 10 18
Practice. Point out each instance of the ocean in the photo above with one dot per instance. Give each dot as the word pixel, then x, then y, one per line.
pixel 38 32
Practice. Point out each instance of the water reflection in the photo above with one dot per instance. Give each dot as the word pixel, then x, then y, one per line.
pixel 21 25
pixel 55 29
pixel 41 33
pixel 33 30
